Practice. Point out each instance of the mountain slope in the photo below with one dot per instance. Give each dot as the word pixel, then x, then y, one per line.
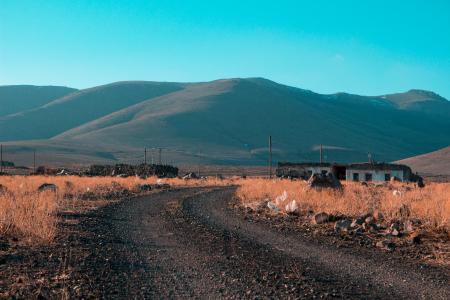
pixel 420 101
pixel 17 98
pixel 78 108
pixel 229 121
pixel 233 118
pixel 436 163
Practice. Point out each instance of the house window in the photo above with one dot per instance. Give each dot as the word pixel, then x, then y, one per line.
pixel 387 177
pixel 368 176
pixel 355 176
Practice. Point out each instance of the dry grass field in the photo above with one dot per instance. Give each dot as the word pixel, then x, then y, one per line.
pixel 431 204
pixel 32 215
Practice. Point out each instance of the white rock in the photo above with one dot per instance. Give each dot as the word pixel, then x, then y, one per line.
pixel 291 207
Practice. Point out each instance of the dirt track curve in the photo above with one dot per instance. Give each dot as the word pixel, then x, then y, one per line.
pixel 190 243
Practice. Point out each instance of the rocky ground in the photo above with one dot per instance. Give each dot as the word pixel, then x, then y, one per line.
pixel 198 242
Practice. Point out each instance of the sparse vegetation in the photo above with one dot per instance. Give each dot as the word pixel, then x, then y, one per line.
pixel 431 204
pixel 32 215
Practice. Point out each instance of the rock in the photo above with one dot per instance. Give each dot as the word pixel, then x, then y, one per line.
pixel 321 218
pixel 370 227
pixel 292 207
pixel 364 183
pixel 408 226
pixel 319 181
pixel 416 238
pixel 395 226
pixel 145 187
pixel 343 225
pixel 47 187
pixel 369 220
pixel 359 231
pixel 272 206
pixel 396 193
pixel 357 222
pixel 395 232
pixel 386 245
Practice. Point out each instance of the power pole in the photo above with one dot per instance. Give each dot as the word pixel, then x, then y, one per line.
pixel 160 161
pixel 270 156
pixel 321 153
pixel 34 161
pixel 145 156
pixel 1 158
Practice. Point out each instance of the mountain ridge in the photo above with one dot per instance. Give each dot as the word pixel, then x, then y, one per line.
pixel 229 120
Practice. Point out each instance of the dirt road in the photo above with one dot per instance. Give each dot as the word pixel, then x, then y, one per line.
pixel 192 243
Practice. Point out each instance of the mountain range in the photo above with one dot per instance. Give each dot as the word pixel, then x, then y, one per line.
pixel 224 121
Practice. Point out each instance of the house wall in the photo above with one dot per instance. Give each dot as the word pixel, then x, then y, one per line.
pixel 318 170
pixel 377 175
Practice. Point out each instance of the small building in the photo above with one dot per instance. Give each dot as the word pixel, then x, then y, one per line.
pixel 377 172
pixel 370 171
pixel 302 170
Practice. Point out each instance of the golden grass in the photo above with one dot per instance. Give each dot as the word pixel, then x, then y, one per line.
pixel 32 216
pixel 431 204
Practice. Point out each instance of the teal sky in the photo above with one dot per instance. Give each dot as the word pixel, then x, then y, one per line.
pixel 364 47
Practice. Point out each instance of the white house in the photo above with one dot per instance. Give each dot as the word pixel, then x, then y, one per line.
pixel 377 172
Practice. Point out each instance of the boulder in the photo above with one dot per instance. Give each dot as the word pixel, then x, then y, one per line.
pixel 47 187
pixel 321 218
pixel 319 181
pixel 343 225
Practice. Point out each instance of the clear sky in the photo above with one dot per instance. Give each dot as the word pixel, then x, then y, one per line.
pixel 364 47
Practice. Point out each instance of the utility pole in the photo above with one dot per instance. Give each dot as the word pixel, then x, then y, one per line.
pixel 321 153
pixel 1 158
pixel 145 156
pixel 34 161
pixel 160 161
pixel 270 156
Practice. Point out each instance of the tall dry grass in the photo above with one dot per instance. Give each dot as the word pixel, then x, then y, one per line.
pixel 431 204
pixel 28 214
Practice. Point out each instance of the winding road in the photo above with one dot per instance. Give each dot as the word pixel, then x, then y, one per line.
pixel 191 243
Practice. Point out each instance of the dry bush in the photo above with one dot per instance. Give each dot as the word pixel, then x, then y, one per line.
pixel 430 204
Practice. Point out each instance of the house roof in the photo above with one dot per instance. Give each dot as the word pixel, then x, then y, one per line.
pixel 378 166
